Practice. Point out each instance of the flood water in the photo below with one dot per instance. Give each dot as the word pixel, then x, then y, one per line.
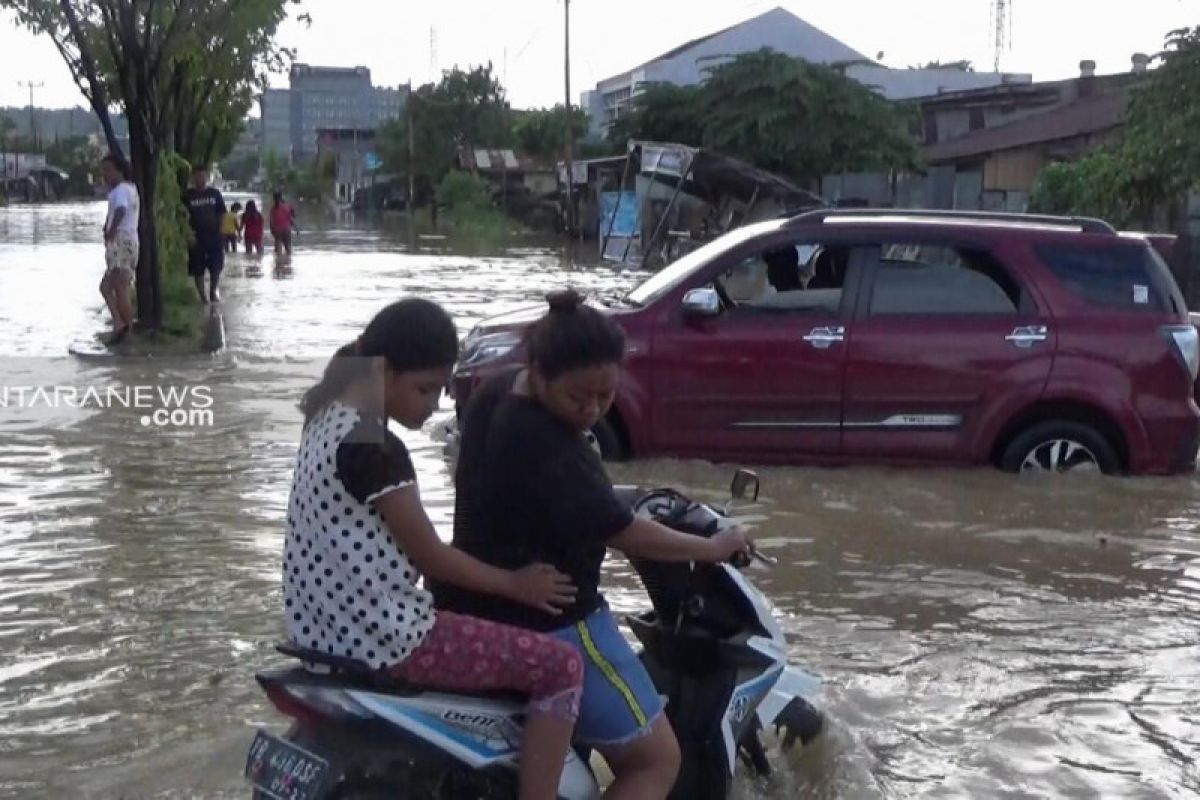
pixel 978 635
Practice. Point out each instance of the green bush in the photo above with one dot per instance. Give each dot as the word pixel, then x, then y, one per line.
pixel 174 238
pixel 462 191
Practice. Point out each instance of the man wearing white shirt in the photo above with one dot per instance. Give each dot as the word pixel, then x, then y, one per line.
pixel 120 244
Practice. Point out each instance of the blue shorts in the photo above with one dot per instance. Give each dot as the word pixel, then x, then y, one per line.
pixel 619 700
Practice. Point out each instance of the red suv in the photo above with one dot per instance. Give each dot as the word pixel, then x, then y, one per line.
pixel 1026 342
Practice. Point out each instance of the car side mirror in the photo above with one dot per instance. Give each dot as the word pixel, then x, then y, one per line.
pixel 745 484
pixel 703 302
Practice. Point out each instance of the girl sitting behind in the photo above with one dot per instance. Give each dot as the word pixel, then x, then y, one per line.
pixel 358 540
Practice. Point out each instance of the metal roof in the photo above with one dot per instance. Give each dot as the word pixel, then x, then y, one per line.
pixel 1082 117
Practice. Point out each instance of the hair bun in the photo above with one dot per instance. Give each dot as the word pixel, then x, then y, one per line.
pixel 564 301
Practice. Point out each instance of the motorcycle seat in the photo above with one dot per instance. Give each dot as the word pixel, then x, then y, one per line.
pixel 327 668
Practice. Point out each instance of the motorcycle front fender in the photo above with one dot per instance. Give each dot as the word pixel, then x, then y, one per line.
pixel 793 682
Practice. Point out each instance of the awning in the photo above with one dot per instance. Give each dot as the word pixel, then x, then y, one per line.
pixel 711 176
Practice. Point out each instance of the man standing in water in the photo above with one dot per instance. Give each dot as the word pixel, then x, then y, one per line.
pixel 206 207
pixel 120 244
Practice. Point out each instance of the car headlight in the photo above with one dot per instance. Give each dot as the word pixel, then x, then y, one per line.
pixel 482 348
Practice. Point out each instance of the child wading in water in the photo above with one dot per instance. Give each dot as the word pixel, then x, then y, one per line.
pixel 358 539
pixel 231 228
pixel 283 220
pixel 252 228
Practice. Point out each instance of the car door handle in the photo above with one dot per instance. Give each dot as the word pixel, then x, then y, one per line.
pixel 1028 336
pixel 824 338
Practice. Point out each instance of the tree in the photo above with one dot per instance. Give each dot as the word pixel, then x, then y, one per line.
pixel 464 110
pixel 171 66
pixel 1153 162
pixel 780 113
pixel 541 132
pixel 662 112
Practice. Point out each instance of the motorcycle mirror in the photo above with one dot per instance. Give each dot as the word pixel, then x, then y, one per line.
pixel 743 481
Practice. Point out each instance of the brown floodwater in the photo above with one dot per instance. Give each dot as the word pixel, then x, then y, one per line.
pixel 978 634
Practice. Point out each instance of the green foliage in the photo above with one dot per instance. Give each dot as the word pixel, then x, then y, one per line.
pixel 1162 134
pixel 462 191
pixel 1156 158
pixel 174 238
pixel 465 109
pixel 184 73
pixel 541 132
pixel 241 169
pixel 275 168
pixel 663 112
pixel 780 113
pixel 1094 186
pixel 313 182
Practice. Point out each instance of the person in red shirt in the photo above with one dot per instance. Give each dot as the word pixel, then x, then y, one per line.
pixel 252 228
pixel 283 218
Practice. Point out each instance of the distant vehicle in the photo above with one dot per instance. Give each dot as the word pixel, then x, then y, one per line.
pixel 910 337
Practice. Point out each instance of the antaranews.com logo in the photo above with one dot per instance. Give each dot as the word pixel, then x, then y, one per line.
pixel 161 406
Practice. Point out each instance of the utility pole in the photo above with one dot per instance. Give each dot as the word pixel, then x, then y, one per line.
pixel 33 134
pixel 569 134
pixel 412 150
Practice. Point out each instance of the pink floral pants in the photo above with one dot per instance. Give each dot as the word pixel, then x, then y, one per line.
pixel 463 653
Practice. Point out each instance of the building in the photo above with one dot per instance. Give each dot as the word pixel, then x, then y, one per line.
pixel 784 32
pixel 994 142
pixel 329 98
pixel 983 148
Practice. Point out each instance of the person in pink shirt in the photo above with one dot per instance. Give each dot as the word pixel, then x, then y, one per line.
pixel 283 219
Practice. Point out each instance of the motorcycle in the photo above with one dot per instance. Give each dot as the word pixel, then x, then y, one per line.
pixel 711 644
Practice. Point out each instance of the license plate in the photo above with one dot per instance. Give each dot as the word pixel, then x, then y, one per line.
pixel 283 771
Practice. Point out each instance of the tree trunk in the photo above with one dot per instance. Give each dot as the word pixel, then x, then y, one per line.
pixel 145 174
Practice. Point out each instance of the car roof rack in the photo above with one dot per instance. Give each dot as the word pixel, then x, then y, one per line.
pixel 1085 224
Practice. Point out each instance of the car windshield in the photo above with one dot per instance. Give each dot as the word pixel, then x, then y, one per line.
pixel 673 274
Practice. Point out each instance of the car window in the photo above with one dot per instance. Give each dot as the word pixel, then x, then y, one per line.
pixel 914 278
pixel 800 277
pixel 672 275
pixel 1123 278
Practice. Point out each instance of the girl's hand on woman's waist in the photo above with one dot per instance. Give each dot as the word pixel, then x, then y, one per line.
pixel 542 587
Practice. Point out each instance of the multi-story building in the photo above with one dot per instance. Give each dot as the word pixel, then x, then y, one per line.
pixel 323 98
pixel 784 32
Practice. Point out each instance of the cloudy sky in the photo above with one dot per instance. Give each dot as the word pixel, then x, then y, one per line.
pixel 524 38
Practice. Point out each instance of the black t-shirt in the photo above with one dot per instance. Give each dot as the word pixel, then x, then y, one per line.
pixel 205 209
pixel 529 488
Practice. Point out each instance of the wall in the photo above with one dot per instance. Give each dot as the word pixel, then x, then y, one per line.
pixel 777 29
pixel 1013 170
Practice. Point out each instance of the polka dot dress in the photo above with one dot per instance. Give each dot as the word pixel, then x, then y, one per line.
pixel 348 589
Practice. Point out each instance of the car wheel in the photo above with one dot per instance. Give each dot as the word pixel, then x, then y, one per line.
pixel 605 441
pixel 1061 446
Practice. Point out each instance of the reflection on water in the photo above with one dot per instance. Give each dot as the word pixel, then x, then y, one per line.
pixel 979 635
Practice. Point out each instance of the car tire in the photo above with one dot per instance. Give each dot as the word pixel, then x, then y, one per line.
pixel 607 441
pixel 1060 446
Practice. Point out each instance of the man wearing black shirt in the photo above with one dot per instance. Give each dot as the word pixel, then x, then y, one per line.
pixel 205 207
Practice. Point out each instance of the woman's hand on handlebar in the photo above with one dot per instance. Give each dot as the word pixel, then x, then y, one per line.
pixel 542 587
pixel 729 544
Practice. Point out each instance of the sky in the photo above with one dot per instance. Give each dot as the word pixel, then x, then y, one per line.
pixel 524 38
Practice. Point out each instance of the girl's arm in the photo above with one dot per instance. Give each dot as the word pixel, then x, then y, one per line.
pixel 649 540
pixel 537 585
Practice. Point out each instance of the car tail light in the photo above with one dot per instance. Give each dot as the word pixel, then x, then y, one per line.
pixel 1187 346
